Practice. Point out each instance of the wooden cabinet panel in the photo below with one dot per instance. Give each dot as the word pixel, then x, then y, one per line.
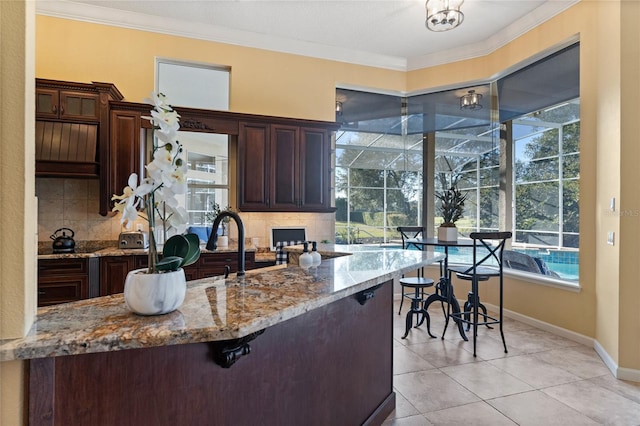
pixel 296 176
pixel 47 102
pixel 284 167
pixel 74 105
pixel 66 104
pixel 66 280
pixel 62 289
pixel 213 264
pixel 253 164
pixel 113 272
pixel 124 155
pixel 315 170
pixel 114 269
pixel 72 128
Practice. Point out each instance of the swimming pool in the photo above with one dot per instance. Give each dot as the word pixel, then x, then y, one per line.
pixel 563 262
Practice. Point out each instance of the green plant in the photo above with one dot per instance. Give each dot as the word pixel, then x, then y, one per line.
pixel 179 251
pixel 215 212
pixel 451 205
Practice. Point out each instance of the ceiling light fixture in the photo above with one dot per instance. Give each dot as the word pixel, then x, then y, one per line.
pixel 471 100
pixel 443 15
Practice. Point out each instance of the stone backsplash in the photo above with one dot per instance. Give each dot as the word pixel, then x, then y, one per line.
pixel 74 203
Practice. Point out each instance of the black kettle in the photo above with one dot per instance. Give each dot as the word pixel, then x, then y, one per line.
pixel 63 243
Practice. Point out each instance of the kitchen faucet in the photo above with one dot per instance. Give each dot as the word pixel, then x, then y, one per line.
pixel 212 244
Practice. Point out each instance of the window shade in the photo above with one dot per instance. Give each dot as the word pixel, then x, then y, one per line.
pixel 547 82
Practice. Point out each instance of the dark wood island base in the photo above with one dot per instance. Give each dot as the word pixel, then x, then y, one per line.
pixel 330 366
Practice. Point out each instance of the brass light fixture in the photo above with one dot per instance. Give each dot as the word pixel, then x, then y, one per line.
pixel 443 15
pixel 471 100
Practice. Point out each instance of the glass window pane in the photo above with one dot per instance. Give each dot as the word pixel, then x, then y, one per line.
pixel 537 207
pixel 366 178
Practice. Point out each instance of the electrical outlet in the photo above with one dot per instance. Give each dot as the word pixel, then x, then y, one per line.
pixel 610 237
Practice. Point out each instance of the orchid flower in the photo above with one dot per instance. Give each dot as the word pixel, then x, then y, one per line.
pixel 155 196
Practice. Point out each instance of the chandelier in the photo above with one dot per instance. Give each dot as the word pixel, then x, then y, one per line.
pixel 471 100
pixel 443 15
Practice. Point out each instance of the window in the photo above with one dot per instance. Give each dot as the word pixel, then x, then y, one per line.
pixel 200 86
pixel 381 151
pixel 378 170
pixel 208 176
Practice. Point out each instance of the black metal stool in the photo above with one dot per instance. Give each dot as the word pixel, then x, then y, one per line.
pixel 417 302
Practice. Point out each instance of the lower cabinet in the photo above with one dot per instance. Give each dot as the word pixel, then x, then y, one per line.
pixel 114 269
pixel 213 264
pixel 67 280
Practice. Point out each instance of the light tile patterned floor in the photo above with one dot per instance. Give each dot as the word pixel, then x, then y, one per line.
pixel 543 380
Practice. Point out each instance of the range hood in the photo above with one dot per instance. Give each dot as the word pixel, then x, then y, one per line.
pixel 66 149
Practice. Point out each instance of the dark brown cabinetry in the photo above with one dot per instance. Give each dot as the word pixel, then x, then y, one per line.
pixel 71 127
pixel 114 269
pixel 283 164
pixel 284 168
pixel 66 104
pixel 213 264
pixel 67 280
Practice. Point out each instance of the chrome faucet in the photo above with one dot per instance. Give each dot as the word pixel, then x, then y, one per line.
pixel 212 244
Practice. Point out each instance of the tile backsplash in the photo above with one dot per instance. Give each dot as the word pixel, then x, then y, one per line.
pixel 74 204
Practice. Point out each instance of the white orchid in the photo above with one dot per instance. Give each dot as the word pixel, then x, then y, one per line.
pixel 166 173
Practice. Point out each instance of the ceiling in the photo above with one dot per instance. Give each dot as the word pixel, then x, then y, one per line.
pixel 389 34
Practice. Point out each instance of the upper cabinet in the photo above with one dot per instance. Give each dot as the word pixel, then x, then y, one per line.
pixel 66 105
pixel 284 167
pixel 72 127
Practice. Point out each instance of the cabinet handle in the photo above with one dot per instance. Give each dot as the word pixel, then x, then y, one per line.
pixel 61 109
pixel 41 293
pixel 55 109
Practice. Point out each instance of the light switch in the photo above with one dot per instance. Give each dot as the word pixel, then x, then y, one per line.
pixel 612 204
pixel 610 237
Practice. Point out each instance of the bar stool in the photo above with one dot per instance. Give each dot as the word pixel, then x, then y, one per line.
pixel 407 233
pixel 487 263
pixel 418 284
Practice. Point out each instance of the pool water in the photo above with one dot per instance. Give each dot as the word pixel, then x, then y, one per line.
pixel 563 263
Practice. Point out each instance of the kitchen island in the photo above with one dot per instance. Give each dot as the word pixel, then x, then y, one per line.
pixel 282 346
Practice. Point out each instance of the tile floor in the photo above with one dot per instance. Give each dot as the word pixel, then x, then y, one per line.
pixel 543 380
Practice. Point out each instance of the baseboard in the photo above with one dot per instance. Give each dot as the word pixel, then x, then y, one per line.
pixel 617 372
pixel 558 331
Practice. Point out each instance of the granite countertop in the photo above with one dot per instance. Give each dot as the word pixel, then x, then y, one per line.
pixel 214 308
pixel 86 249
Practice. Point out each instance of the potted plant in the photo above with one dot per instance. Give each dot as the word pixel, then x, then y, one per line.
pixel 451 207
pixel 161 287
pixel 223 239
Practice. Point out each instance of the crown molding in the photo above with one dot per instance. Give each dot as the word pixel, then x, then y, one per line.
pixel 138 21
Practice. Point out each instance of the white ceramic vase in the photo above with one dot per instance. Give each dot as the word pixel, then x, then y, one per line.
pixel 223 241
pixel 447 233
pixel 154 294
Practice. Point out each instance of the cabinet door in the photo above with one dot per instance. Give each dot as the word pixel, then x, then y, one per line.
pixel 62 289
pixel 253 164
pixel 315 171
pixel 113 272
pixel 285 168
pixel 78 105
pixel 63 280
pixel 47 101
pixel 124 156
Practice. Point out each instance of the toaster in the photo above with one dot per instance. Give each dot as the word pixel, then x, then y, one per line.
pixel 133 240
